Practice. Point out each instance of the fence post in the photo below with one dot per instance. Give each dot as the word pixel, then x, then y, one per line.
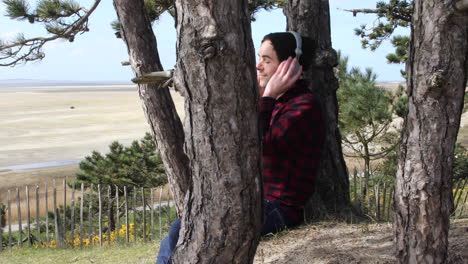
pixel 168 207
pixel 61 242
pixel 355 183
pixel 90 215
pixel 377 201
pixel 392 191
pixel 384 200
pixel 456 198
pixel 81 214
pixel 160 218
pixel 54 193
pixel 100 214
pixel 152 215
pixel 64 229
pixel 72 216
pixel 20 225
pixel 109 214
pixel 28 216
pixel 127 238
pixel 361 197
pixel 144 213
pixel 461 193
pixel 38 227
pixel 464 202
pixel 9 219
pixel 368 198
pixel 117 219
pixel 456 186
pixel 47 211
pixel 134 213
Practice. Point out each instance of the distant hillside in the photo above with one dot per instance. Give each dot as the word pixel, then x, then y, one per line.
pixel 27 82
pixel 31 82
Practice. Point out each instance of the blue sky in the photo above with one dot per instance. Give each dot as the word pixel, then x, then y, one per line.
pixel 96 55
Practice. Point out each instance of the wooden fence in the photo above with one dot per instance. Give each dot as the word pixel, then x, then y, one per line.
pixel 97 215
pixel 100 215
pixel 376 199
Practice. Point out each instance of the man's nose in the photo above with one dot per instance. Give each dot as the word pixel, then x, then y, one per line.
pixel 259 66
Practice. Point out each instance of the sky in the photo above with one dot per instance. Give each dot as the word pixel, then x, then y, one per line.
pixel 97 55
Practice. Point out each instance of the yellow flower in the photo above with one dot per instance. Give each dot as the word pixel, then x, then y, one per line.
pixel 52 244
pixel 113 235
pixel 122 232
pixel 76 241
pixel 96 240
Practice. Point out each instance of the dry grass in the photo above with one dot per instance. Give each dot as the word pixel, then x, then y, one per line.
pixel 11 179
pixel 32 178
pixel 33 208
pixel 336 243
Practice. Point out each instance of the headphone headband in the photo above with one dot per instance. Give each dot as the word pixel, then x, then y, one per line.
pixel 298 49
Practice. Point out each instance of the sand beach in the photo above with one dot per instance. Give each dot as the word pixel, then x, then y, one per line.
pixel 43 124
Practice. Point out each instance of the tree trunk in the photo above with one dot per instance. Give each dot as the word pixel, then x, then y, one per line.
pixel 312 18
pixel 366 170
pixel 437 74
pixel 216 74
pixel 157 102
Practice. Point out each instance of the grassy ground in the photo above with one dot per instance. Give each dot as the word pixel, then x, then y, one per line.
pixel 133 253
pixel 318 243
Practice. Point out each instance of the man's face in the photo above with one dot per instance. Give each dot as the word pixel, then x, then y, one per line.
pixel 267 64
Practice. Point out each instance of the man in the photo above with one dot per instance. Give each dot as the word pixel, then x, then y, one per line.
pixel 292 135
pixel 292 127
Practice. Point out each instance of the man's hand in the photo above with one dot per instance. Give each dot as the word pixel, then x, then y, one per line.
pixel 283 79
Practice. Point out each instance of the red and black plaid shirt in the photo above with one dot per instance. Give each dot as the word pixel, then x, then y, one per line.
pixel 293 134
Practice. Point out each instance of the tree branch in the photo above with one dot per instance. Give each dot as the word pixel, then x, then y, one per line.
pixel 364 10
pixel 35 45
pixel 383 153
pixel 154 77
pixel 403 16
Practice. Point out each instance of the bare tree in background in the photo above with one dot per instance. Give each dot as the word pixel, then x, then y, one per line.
pixel 312 18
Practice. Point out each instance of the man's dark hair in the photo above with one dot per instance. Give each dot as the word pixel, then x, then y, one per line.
pixel 284 44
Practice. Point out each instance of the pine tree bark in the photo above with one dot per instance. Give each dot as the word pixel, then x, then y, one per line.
pixel 216 74
pixel 158 106
pixel 312 18
pixel 437 74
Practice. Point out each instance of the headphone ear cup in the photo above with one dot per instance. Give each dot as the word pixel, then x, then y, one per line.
pixel 296 67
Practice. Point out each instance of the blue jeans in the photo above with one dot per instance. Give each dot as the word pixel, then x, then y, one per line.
pixel 274 220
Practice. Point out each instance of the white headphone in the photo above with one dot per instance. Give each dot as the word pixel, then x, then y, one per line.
pixel 298 49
